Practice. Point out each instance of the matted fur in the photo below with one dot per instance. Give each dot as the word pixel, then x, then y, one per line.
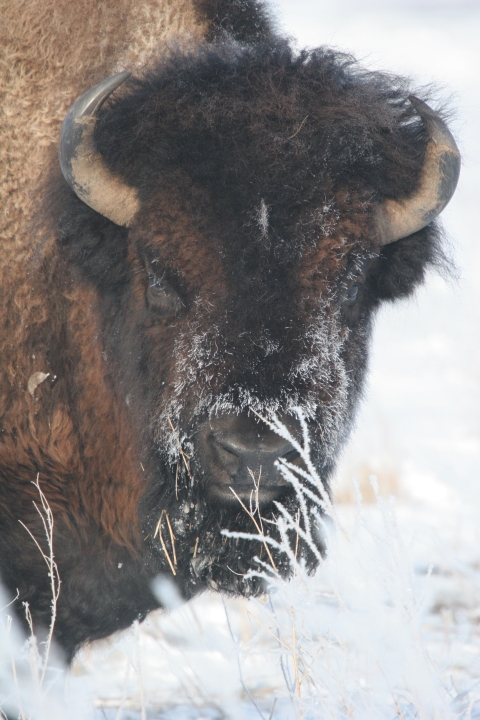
pixel 258 170
pixel 51 52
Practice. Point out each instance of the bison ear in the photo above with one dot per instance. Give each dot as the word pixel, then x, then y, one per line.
pixel 82 165
pixel 397 219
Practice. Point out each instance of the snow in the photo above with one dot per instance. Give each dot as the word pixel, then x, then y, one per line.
pixel 392 618
pixel 390 626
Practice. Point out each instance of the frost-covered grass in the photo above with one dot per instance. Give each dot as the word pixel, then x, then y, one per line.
pixel 388 627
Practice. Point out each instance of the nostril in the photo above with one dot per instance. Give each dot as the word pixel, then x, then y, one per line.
pixel 291 455
pixel 225 455
pixel 241 453
pixel 226 446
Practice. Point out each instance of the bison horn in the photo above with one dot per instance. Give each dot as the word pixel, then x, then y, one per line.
pixel 82 165
pixel 396 219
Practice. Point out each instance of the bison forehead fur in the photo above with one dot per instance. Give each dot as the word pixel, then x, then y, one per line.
pixel 246 284
pixel 257 169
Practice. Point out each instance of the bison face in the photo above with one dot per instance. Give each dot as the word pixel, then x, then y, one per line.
pixel 264 195
pixel 221 325
pixel 218 326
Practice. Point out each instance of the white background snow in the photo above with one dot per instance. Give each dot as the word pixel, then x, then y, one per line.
pixel 390 627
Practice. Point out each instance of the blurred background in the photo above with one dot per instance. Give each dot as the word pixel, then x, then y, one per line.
pixel 419 428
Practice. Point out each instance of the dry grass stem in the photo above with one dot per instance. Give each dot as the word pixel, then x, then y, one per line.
pixel 259 529
pixel 277 638
pixel 294 655
pixel 310 474
pixel 164 547
pixel 158 530
pixel 14 673
pixel 398 709
pixel 236 643
pixel 46 516
pixel 172 538
pixel 298 129
pixel 272 710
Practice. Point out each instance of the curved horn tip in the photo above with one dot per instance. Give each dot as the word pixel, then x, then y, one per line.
pixel 438 179
pixel 421 107
pixel 85 106
pixel 436 127
pixel 94 98
pixel 82 166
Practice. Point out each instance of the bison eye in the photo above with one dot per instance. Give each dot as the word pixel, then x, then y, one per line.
pixel 351 308
pixel 352 293
pixel 162 298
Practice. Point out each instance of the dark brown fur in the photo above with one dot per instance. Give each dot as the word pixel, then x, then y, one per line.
pixel 207 133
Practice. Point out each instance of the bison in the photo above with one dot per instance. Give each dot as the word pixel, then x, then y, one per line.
pixel 210 250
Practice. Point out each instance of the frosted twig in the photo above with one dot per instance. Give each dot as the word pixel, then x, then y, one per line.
pixel 259 529
pixel 269 631
pixel 172 538
pixel 247 691
pixel 158 530
pixel 250 536
pixel 14 671
pixel 311 475
pixel 11 601
pixel 294 654
pixel 46 516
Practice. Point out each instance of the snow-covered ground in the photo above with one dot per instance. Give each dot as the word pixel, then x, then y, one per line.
pixel 388 628
pixel 390 625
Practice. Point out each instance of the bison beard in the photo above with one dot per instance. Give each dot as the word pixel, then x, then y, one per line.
pixel 243 285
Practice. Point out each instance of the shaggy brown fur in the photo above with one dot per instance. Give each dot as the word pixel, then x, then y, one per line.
pixel 50 53
pixel 100 381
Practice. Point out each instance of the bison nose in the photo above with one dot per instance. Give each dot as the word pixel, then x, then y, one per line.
pixel 242 454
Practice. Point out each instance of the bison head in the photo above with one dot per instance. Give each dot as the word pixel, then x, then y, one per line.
pixel 241 213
